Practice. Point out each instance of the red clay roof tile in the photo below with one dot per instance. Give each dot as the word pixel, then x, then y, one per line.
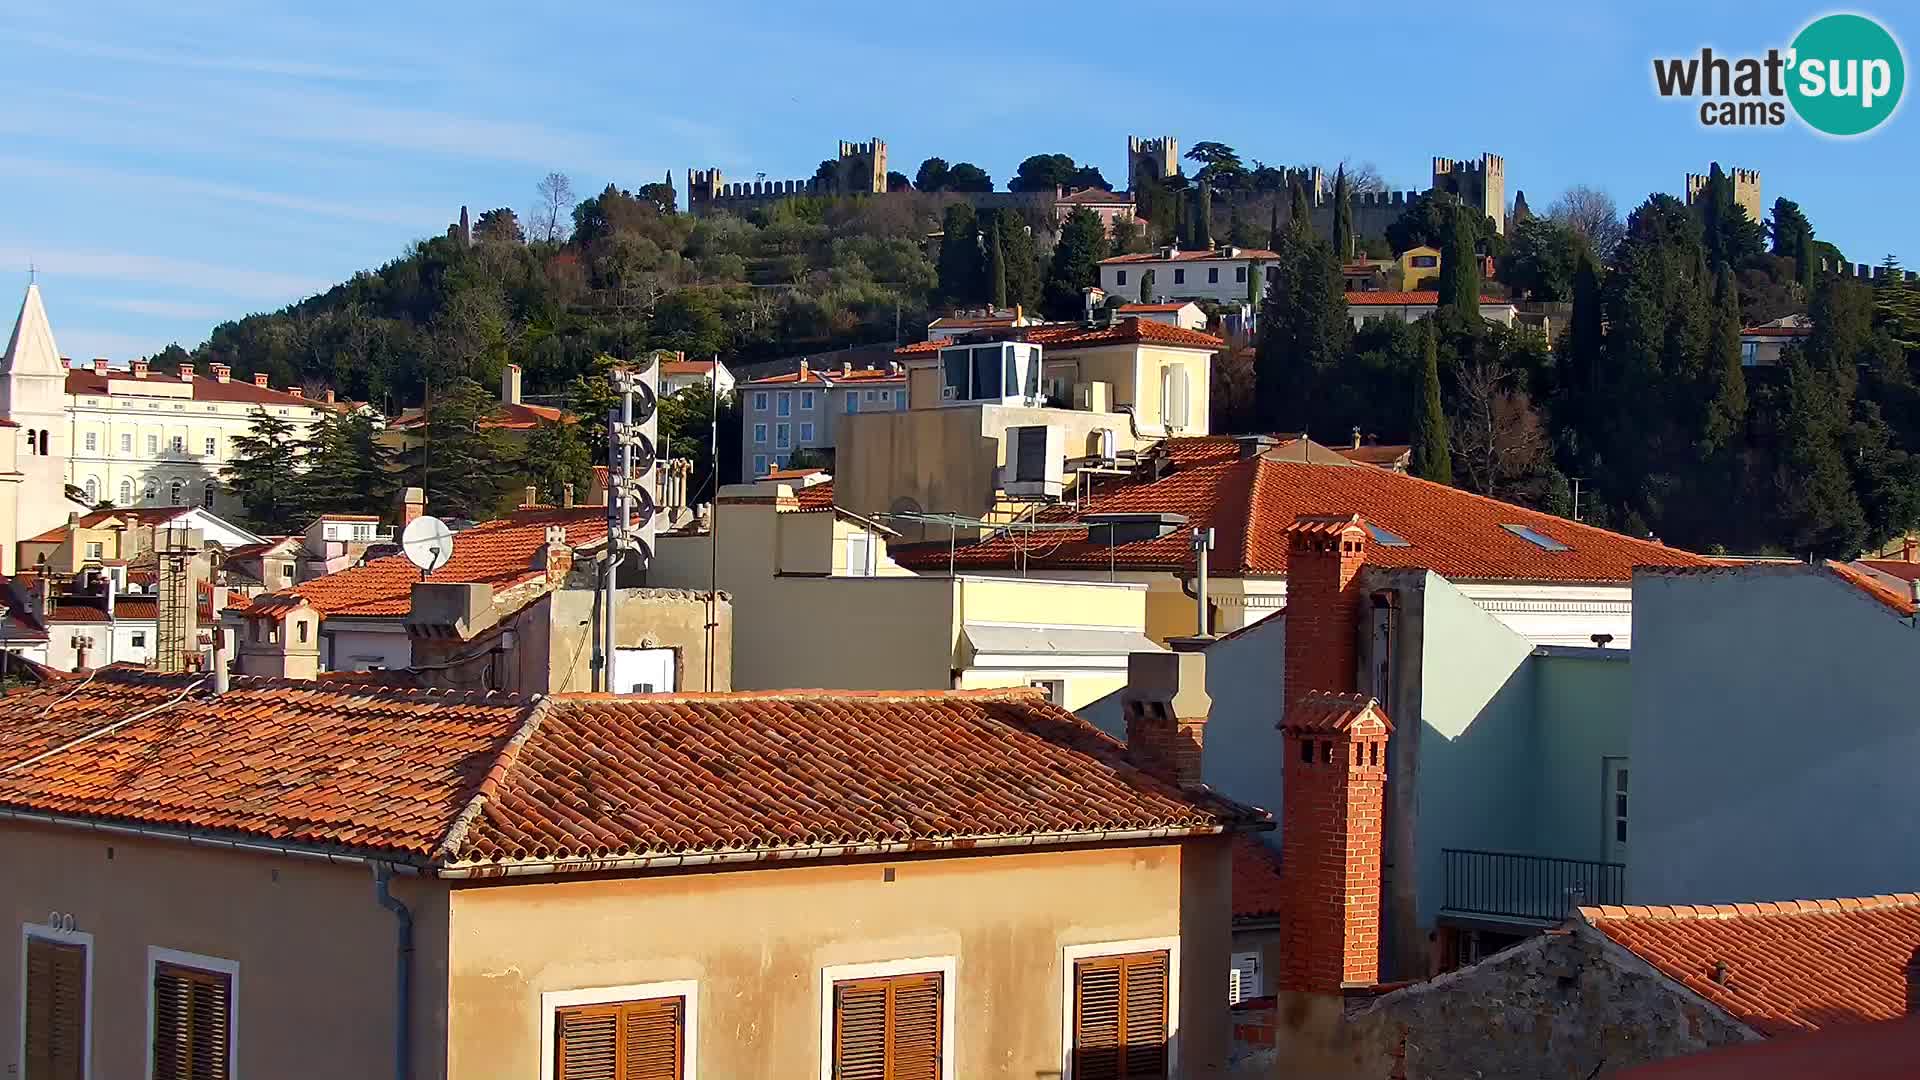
pixel 1257 891
pixel 1199 254
pixel 205 388
pixel 1807 964
pixel 1131 330
pixel 1413 298
pixel 1252 502
pixel 1873 587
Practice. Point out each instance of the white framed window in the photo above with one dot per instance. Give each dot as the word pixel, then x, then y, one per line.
pixel 1240 274
pixel 176 492
pixel 853 401
pixel 782 435
pixel 126 442
pixel 900 399
pixel 153 444
pixel 178 444
pixel 193 1009
pixel 96 550
pixel 209 491
pixel 1056 689
pixel 1119 277
pixel 806 399
pixel 152 491
pixel 759 464
pixel 126 492
pixel 92 441
pixel 1095 964
pixel 213 446
pixel 1173 396
pixel 1213 275
pixel 759 401
pixel 1180 276
pixel 760 434
pixel 57 965
pixel 839 982
pixel 873 395
pixel 596 1016
pixel 783 403
pixel 138 639
pixel 806 433
pixel 93 490
pixel 1749 354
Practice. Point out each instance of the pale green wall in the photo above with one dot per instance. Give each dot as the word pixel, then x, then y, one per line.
pixel 1583 708
pixel 1478 771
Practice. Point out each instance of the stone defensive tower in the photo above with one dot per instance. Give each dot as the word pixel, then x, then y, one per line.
pixel 1480 184
pixel 861 169
pixel 1161 156
pixel 1746 189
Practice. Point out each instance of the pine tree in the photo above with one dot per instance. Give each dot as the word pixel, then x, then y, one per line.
pixel 1202 227
pixel 1305 331
pixel 1342 215
pixel 463 464
pixel 556 456
pixel 1726 392
pixel 996 271
pixel 1076 262
pixel 1460 269
pixel 961 279
pixel 348 469
pixel 1025 276
pixel 265 473
pixel 1432 457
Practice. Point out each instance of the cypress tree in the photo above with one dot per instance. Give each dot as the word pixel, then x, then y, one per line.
pixel 1273 224
pixel 959 267
pixel 1305 331
pixel 1146 286
pixel 1432 458
pixel 996 271
pixel 1299 210
pixel 1726 391
pixel 1076 262
pixel 1460 269
pixel 1203 217
pixel 1254 287
pixel 1342 215
pixel 1025 277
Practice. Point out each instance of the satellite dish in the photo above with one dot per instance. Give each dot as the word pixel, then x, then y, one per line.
pixel 427 543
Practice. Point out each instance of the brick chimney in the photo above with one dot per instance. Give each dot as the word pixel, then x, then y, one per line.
pixel 1166 705
pixel 99 365
pixel 413 503
pixel 1335 747
pixel 221 372
pixel 260 380
pixel 139 369
pixel 510 385
pixel 554 556
pixel 186 372
pixel 330 395
pixel 806 370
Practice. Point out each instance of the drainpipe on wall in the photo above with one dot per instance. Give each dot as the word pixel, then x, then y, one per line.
pixel 403 971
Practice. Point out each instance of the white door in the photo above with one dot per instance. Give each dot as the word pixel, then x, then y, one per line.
pixel 1615 810
pixel 643 671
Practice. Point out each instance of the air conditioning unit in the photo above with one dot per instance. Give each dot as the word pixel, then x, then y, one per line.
pixel 1036 461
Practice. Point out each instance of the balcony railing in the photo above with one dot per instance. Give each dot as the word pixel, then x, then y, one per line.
pixel 1503 885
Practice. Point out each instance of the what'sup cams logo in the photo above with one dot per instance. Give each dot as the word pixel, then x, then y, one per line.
pixel 1843 75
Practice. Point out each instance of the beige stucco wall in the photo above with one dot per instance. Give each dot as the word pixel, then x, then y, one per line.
pixel 756 940
pixel 315 992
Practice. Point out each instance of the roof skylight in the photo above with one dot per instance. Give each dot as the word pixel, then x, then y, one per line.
pixel 1385 538
pixel 1539 539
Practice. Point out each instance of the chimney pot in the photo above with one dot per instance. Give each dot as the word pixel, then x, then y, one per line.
pixel 260 379
pixel 566 495
pixel 186 372
pixel 413 503
pixel 806 370
pixel 330 398
pixel 1356 436
pixel 139 369
pixel 99 365
pixel 533 496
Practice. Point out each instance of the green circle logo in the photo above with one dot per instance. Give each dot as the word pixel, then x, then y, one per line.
pixel 1847 74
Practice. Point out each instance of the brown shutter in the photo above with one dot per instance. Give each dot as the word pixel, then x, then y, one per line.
pixel 1120 1017
pixel 192 1020
pixel 887 1028
pixel 56 1031
pixel 630 1040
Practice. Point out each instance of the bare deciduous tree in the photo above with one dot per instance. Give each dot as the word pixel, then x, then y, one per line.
pixel 1498 441
pixel 1591 213
pixel 556 203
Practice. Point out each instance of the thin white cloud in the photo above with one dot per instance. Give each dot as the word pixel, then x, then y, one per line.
pixel 266 285
pixel 243 65
pixel 416 217
pixel 169 309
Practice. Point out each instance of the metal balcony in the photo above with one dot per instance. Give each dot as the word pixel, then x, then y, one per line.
pixel 1530 888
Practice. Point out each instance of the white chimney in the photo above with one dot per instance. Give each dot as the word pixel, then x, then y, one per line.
pixel 510 385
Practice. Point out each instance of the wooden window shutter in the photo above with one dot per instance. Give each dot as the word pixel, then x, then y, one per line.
pixel 192 1023
pixel 56 1032
pixel 1120 1017
pixel 628 1040
pixel 888 1028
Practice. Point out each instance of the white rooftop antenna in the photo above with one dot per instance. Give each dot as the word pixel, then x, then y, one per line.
pixel 427 544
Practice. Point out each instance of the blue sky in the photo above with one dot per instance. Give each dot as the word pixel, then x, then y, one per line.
pixel 172 166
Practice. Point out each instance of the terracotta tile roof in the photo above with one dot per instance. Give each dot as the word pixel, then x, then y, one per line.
pixel 465 782
pixel 1092 196
pixel 1191 256
pixel 1896 568
pixel 72 610
pixel 1252 502
pixel 1873 587
pixel 1163 309
pixel 686 367
pixel 832 376
pixel 136 609
pixel 1375 453
pixel 499 553
pixel 1791 966
pixel 299 763
pixel 1884 1050
pixel 1257 892
pixel 790 474
pixel 815 498
pixel 1777 331
pixel 601 776
pixel 504 417
pixel 1129 331
pixel 132 515
pixel 1322 711
pixel 205 388
pixel 1393 298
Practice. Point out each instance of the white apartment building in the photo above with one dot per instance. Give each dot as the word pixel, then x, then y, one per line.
pixel 800 410
pixel 1412 306
pixel 1216 274
pixel 134 436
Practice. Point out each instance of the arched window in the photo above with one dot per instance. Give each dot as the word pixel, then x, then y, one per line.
pixel 207 496
pixel 93 490
pixel 46 447
pixel 177 493
pixel 152 491
pixel 33 443
pixel 126 492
